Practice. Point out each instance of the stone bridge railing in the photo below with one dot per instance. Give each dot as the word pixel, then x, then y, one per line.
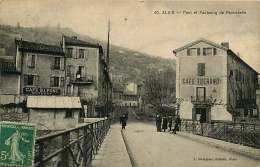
pixel 72 147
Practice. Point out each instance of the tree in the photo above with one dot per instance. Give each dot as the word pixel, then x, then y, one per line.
pixel 159 88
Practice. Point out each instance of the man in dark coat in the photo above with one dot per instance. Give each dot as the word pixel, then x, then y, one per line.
pixel 164 123
pixel 123 121
pixel 170 123
pixel 158 122
pixel 177 124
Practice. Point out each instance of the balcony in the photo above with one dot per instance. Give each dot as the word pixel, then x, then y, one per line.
pixel 201 100
pixel 83 80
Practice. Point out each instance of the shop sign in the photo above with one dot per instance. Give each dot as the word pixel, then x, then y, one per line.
pixel 41 91
pixel 201 81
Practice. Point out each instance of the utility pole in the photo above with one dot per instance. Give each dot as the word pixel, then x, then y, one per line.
pixel 107 62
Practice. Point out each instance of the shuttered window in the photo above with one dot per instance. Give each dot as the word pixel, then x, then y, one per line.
pixel 188 52
pixel 69 52
pixel 81 53
pixel 57 63
pixel 57 81
pixel 198 51
pixel 201 69
pixel 31 61
pixel 31 80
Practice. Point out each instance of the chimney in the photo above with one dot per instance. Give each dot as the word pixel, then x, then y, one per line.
pixel 225 44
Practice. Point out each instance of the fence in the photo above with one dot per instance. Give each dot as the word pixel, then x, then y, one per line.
pixel 239 133
pixel 74 147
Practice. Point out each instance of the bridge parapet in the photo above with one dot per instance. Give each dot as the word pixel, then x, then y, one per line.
pixel 240 133
pixel 72 147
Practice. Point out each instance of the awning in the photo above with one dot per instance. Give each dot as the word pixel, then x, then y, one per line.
pixel 53 102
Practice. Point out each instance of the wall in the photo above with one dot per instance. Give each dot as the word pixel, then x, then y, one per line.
pixel 51 119
pixel 241 90
pixel 9 84
pixel 215 68
pixel 43 69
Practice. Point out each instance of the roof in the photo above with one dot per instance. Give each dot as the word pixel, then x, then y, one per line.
pixel 198 41
pixel 230 52
pixel 216 45
pixel 8 67
pixel 39 47
pixel 53 102
pixel 76 42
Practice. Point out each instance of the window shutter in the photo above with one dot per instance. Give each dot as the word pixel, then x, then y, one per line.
pixel 62 63
pixel 36 80
pixel 62 81
pixel 25 79
pixel 214 51
pixel 29 60
pixel 76 53
pixel 204 51
pixel 188 51
pixel 52 81
pixel 198 69
pixel 52 63
pixel 198 51
pixel 203 69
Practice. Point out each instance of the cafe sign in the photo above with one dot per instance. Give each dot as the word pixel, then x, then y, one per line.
pixel 41 91
pixel 201 81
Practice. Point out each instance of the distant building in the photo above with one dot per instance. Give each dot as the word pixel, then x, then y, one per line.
pixel 214 83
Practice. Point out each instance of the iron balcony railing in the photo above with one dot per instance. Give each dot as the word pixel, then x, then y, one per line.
pixel 206 100
pixel 73 147
pixel 239 133
pixel 83 80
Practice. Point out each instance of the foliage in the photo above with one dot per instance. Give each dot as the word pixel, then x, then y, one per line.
pixel 159 88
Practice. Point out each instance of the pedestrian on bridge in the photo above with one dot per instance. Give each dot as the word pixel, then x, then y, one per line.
pixel 177 124
pixel 158 122
pixel 123 121
pixel 170 123
pixel 164 123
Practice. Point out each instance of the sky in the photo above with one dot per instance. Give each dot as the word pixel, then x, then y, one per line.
pixel 142 26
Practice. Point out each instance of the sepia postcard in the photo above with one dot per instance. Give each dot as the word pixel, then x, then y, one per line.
pixel 132 83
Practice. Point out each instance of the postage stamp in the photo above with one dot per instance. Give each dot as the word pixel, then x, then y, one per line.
pixel 17 144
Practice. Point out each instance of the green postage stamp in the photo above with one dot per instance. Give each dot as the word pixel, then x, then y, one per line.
pixel 17 144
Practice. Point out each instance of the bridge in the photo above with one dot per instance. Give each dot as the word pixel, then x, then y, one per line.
pixel 104 144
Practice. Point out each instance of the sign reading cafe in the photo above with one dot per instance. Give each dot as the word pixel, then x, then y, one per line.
pixel 201 81
pixel 41 91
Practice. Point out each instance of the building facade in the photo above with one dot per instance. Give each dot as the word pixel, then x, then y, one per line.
pixel 87 74
pixel 213 83
pixel 41 67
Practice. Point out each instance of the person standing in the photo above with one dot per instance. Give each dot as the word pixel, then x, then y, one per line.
pixel 164 123
pixel 158 122
pixel 177 124
pixel 170 123
pixel 123 121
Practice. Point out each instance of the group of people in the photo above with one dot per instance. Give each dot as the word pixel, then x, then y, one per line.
pixel 166 122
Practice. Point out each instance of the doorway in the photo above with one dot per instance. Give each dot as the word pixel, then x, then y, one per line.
pixel 201 115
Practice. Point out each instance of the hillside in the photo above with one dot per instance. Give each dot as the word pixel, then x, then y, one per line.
pixel 131 64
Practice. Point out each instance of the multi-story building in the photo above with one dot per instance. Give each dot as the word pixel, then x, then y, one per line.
pixel 87 74
pixel 213 83
pixel 42 68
